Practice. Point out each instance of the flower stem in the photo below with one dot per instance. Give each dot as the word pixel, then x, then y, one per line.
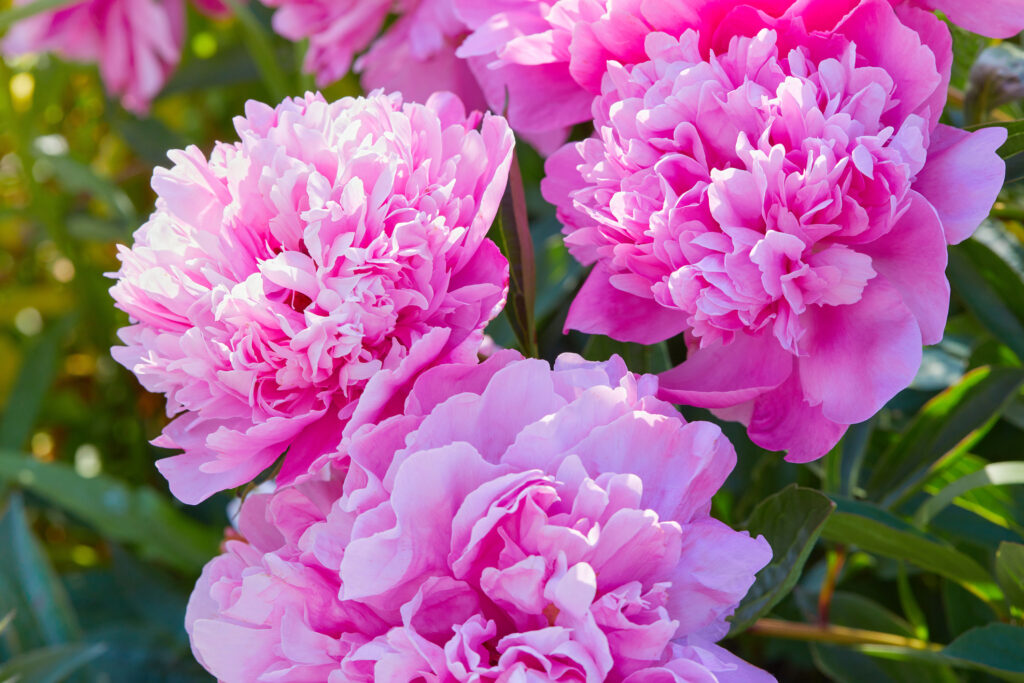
pixel 839 635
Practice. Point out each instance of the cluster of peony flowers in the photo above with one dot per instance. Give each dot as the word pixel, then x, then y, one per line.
pixel 767 181
pixel 510 523
pixel 335 243
pixel 137 43
pixel 779 190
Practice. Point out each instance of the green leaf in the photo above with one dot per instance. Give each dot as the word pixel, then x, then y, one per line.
pixel 996 648
pixel 947 426
pixel 881 534
pixel 28 584
pixel 791 520
pixel 1010 572
pixel 990 289
pixel 48 664
pixel 512 233
pixel 31 386
pixel 996 474
pixel 138 516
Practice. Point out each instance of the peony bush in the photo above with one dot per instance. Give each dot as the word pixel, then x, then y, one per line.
pixel 467 367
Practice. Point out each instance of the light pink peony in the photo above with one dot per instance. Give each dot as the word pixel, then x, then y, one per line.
pixel 415 56
pixel 781 191
pixel 137 43
pixel 513 523
pixel 336 242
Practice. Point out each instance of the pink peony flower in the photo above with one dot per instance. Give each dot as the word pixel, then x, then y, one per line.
pixel 415 56
pixel 548 57
pixel 337 242
pixel 137 43
pixel 512 523
pixel 780 190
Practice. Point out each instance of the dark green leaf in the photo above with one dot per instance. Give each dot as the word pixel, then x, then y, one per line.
pixel 990 289
pixel 48 664
pixel 873 535
pixel 791 521
pixel 997 648
pixel 948 425
pixel 28 584
pixel 138 516
pixel 1015 136
pixel 1010 572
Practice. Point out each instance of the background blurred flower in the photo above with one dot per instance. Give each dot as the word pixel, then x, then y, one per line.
pixel 512 520
pixel 780 190
pixel 336 242
pixel 415 56
pixel 136 43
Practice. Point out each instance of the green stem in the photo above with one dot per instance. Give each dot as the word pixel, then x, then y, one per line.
pixel 15 14
pixel 838 635
pixel 262 51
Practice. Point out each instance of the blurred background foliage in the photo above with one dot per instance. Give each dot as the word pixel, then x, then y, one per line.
pixel 899 556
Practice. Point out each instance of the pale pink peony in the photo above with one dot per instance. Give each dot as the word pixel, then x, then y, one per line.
pixel 783 194
pixel 512 523
pixel 336 242
pixel 137 43
pixel 415 55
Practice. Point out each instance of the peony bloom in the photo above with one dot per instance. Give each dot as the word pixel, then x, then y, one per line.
pixel 336 242
pixel 137 43
pixel 548 57
pixel 512 523
pixel 783 194
pixel 415 56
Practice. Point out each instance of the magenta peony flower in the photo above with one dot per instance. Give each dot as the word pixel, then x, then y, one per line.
pixel 783 194
pixel 137 43
pixel 548 57
pixel 336 242
pixel 513 523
